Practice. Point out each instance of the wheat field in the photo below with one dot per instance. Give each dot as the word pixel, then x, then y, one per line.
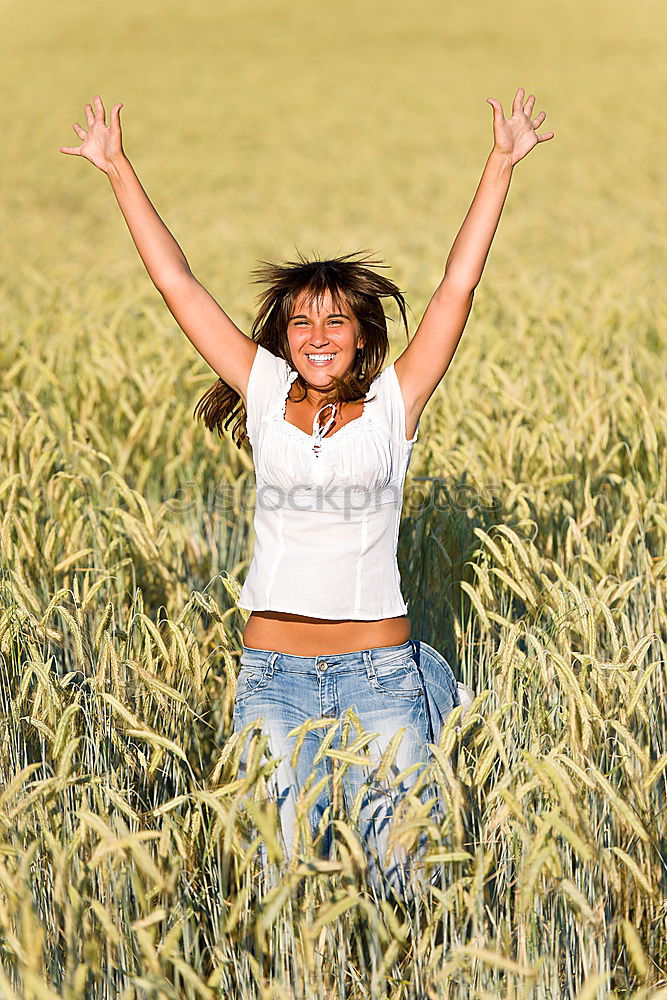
pixel 533 542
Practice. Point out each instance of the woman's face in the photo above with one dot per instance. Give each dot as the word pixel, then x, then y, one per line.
pixel 323 341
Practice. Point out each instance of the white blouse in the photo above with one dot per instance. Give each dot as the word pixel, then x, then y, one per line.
pixel 327 509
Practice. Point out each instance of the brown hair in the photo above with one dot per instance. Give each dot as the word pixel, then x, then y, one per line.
pixel 344 278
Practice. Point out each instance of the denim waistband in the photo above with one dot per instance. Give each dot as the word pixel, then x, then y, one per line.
pixel 359 657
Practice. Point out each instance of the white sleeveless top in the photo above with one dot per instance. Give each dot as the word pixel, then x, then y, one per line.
pixel 327 509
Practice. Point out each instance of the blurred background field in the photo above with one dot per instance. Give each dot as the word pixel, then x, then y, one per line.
pixel 128 850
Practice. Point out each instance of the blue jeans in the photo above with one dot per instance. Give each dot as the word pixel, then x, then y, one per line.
pixel 409 686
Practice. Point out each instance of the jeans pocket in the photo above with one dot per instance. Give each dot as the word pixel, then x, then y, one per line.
pixel 253 676
pixel 396 676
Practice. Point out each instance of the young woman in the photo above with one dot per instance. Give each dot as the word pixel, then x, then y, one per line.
pixel 331 435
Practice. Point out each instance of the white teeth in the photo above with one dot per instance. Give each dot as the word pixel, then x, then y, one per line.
pixel 320 357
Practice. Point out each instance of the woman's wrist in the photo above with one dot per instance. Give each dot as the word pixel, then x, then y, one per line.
pixel 115 165
pixel 501 157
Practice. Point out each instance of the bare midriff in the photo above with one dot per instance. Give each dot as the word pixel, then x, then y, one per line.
pixel 299 635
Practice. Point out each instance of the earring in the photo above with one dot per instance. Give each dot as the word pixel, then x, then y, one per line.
pixel 362 373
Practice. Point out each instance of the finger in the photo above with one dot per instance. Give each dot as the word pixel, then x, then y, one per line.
pixel 528 106
pixel 70 149
pixel 517 104
pixel 536 122
pixel 547 135
pixel 90 117
pixel 115 113
pixel 496 106
pixel 99 109
pixel 79 131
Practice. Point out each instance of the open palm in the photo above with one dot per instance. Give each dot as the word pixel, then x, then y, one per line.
pixel 101 144
pixel 516 136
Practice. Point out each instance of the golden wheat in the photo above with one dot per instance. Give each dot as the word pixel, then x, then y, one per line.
pixel 132 818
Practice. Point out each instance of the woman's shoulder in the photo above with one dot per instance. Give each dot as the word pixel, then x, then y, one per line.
pixel 386 394
pixel 382 387
pixel 268 363
pixel 269 375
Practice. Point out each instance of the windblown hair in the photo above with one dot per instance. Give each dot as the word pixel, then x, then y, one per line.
pixel 348 281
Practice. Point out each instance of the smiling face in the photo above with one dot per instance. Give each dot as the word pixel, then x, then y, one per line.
pixel 323 338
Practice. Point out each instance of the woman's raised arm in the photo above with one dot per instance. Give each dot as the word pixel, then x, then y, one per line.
pixel 425 360
pixel 220 342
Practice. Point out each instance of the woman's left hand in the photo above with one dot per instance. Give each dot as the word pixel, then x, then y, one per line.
pixel 516 136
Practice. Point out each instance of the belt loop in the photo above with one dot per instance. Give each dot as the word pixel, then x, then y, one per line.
pixel 368 662
pixel 271 664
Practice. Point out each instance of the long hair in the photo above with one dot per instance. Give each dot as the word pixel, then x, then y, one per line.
pixel 345 279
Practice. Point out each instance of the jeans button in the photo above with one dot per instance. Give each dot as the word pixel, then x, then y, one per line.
pixel 324 665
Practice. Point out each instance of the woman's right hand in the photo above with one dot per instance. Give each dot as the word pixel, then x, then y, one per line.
pixel 101 145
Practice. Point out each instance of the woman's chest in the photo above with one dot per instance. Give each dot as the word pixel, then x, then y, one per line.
pixel 359 456
pixel 334 419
